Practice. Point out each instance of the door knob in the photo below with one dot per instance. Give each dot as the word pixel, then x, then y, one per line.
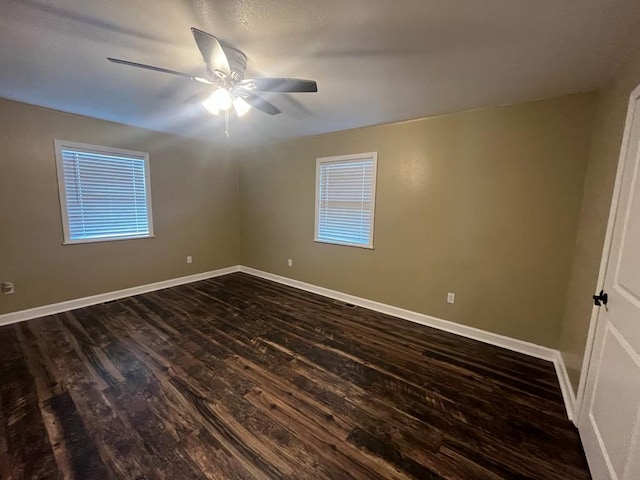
pixel 601 299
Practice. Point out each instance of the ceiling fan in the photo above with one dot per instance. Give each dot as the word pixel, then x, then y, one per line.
pixel 226 85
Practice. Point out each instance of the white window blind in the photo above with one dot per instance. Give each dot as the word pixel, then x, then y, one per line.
pixel 345 199
pixel 104 193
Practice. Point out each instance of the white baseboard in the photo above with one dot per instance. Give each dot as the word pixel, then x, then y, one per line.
pixel 495 339
pixel 502 341
pixel 509 343
pixel 36 312
pixel 565 387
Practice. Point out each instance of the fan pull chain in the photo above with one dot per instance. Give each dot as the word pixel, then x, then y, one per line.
pixel 226 123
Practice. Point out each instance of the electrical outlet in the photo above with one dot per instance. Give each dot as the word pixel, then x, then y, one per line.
pixel 451 297
pixel 290 263
pixel 7 288
pixel 189 259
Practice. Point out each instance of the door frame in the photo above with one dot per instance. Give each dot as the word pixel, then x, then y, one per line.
pixel 606 252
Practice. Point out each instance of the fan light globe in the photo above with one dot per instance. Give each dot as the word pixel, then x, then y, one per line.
pixel 241 107
pixel 211 105
pixel 220 99
pixel 212 109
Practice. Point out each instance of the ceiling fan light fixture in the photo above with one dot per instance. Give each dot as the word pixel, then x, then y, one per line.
pixel 220 99
pixel 227 85
pixel 241 106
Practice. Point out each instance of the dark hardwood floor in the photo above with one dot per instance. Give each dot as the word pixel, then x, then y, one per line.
pixel 240 378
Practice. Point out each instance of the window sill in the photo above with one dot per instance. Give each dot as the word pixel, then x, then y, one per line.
pixel 344 244
pixel 101 240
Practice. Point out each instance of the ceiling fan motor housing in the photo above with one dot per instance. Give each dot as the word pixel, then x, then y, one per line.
pixel 237 62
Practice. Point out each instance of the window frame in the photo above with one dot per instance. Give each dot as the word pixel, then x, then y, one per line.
pixel 62 193
pixel 342 158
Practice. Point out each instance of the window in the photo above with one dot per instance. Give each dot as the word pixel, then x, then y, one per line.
pixel 104 193
pixel 345 199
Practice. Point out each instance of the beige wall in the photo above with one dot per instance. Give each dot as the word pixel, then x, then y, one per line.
pixel 195 207
pixel 484 204
pixel 598 188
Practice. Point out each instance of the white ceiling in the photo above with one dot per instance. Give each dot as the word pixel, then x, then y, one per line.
pixel 375 61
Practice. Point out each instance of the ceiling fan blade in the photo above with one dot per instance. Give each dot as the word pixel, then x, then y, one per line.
pixel 198 97
pixel 291 85
pixel 212 52
pixel 160 69
pixel 260 103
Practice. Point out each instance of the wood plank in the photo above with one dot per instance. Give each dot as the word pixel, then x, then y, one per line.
pixel 25 450
pixel 240 378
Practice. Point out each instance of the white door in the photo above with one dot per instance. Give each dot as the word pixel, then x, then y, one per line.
pixel 609 420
